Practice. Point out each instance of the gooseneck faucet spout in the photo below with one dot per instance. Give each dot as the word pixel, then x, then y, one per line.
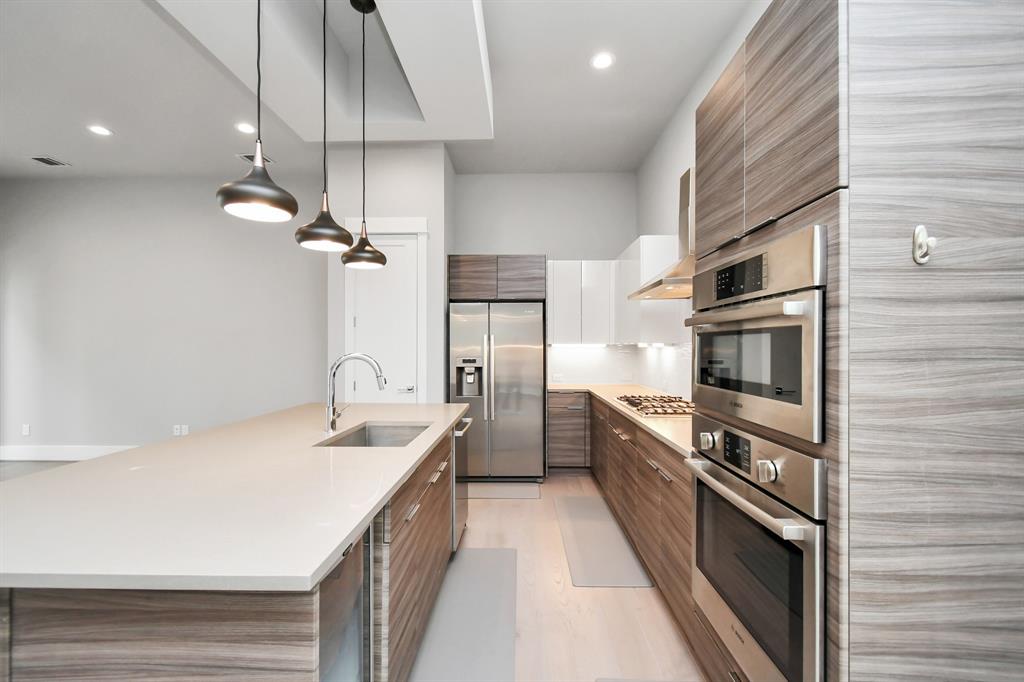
pixel 332 412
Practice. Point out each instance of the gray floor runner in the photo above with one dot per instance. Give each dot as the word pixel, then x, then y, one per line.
pixel 598 552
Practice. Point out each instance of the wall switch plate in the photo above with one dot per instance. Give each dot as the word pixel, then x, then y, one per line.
pixel 26 429
pixel 184 429
pixel 176 430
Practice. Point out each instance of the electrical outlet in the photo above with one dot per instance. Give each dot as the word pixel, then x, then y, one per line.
pixel 176 430
pixel 26 429
pixel 184 429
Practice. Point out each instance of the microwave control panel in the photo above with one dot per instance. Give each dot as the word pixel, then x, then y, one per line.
pixel 741 278
pixel 737 451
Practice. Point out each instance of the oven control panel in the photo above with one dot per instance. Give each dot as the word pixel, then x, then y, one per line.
pixel 741 278
pixel 737 451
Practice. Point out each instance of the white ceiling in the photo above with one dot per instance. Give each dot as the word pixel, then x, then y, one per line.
pixel 553 112
pixel 172 77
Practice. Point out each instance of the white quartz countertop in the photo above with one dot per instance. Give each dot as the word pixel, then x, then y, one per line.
pixel 674 431
pixel 248 506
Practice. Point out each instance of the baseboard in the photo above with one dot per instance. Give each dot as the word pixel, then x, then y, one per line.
pixel 57 453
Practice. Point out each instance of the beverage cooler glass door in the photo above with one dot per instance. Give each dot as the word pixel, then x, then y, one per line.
pixel 758 576
pixel 763 362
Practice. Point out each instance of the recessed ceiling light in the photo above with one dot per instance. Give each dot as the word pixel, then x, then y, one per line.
pixel 100 130
pixel 246 128
pixel 602 60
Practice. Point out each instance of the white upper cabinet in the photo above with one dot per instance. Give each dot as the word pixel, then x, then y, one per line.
pixel 596 301
pixel 565 280
pixel 653 321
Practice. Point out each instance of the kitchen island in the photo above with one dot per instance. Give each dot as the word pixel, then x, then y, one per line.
pixel 220 554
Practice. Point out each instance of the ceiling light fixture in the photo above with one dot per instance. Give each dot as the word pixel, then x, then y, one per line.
pixel 256 196
pixel 323 233
pixel 363 255
pixel 101 131
pixel 602 60
pixel 246 128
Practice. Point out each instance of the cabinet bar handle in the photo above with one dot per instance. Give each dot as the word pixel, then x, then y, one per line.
pixel 668 479
pixel 444 465
pixel 412 512
pixel 433 479
pixel 575 408
pixel 652 464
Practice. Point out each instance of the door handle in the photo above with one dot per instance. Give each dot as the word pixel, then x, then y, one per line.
pixel 491 390
pixel 412 512
pixel 486 380
pixel 407 389
pixel 756 311
pixel 575 408
pixel 468 421
pixel 652 464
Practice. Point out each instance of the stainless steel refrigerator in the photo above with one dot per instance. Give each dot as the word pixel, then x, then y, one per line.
pixel 496 365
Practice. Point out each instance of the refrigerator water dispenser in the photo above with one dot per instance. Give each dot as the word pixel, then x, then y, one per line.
pixel 468 379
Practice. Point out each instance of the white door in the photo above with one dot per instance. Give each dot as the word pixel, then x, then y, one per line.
pixel 381 311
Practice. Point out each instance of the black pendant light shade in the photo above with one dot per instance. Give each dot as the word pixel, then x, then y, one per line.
pixel 256 196
pixel 363 256
pixel 323 233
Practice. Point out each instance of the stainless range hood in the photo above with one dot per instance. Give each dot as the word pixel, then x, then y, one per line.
pixel 676 281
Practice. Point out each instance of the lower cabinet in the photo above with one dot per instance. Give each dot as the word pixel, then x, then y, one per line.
pixel 412 548
pixel 650 491
pixel 567 429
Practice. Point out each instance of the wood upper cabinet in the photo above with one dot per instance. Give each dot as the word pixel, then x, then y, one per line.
pixel 795 131
pixel 496 278
pixel 567 429
pixel 718 178
pixel 472 278
pixel 522 277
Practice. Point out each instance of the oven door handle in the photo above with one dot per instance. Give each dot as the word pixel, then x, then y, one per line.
pixel 749 312
pixel 787 529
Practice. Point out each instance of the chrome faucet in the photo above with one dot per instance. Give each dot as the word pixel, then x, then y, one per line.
pixel 332 412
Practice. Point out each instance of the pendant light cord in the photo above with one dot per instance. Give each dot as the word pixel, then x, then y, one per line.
pixel 364 121
pixel 325 95
pixel 259 73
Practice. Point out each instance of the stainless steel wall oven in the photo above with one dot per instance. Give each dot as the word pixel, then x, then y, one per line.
pixel 759 334
pixel 759 551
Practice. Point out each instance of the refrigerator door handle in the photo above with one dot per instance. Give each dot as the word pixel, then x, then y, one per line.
pixel 490 371
pixel 486 382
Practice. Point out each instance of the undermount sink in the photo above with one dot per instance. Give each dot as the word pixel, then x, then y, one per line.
pixel 376 435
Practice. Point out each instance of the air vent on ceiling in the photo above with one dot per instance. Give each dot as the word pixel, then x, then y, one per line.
pixel 49 161
pixel 249 157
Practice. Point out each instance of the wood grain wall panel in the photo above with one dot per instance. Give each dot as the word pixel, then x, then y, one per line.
pixel 5 635
pixel 160 635
pixel 794 131
pixel 472 278
pixel 718 176
pixel 522 277
pixel 832 211
pixel 568 428
pixel 936 357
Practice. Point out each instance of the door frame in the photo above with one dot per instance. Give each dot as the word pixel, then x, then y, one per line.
pixel 339 323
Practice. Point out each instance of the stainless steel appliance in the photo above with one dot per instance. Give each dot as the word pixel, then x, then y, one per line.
pixel 759 335
pixel 657 405
pixel 759 551
pixel 496 365
pixel 460 486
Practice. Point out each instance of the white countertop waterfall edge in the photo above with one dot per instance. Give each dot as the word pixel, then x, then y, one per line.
pixel 251 506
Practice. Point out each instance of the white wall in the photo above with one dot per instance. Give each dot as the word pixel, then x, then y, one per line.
pixel 403 181
pixel 563 215
pixel 675 151
pixel 449 203
pixel 129 305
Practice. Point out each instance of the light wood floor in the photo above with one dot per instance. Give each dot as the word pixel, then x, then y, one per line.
pixel 566 633
pixel 14 468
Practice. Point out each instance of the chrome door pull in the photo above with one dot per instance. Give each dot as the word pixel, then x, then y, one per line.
pixel 575 408
pixel 661 472
pixel 444 465
pixel 486 380
pixel 412 512
pixel 652 464
pixel 437 475
pixel 491 372
pixel 754 311
pixel 468 421
pixel 786 529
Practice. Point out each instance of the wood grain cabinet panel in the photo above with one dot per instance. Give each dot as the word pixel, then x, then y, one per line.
pixel 472 278
pixel 794 148
pixel 409 494
pixel 718 177
pixel 522 277
pixel 568 429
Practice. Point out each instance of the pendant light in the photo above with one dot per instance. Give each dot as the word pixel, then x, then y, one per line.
pixel 256 197
pixel 323 233
pixel 363 255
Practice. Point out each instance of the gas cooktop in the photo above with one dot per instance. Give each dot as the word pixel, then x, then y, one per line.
pixel 658 405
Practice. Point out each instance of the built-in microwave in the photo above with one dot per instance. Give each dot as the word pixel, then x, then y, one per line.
pixel 758 350
pixel 759 551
